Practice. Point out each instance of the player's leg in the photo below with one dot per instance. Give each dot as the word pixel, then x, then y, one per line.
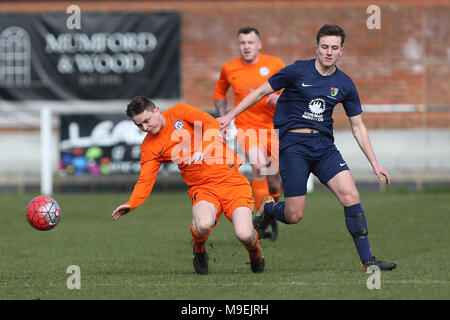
pixel 204 218
pixel 294 170
pixel 332 170
pixel 289 211
pixel 241 219
pixel 237 202
pixel 273 178
pixel 253 144
pixel 273 171
pixel 343 186
pixel 263 156
pixel 294 210
pixel 258 162
pixel 274 184
pixel 265 180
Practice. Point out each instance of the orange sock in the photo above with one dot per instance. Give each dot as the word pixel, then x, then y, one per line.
pixel 276 195
pixel 254 250
pixel 199 241
pixel 260 190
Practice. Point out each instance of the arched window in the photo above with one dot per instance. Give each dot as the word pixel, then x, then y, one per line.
pixel 15 57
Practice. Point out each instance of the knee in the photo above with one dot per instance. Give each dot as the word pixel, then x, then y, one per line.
pixel 294 214
pixel 203 226
pixel 246 236
pixel 349 198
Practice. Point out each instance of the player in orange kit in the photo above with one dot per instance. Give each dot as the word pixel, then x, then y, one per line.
pixel 255 135
pixel 189 137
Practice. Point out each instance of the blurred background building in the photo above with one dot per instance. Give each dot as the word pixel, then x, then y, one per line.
pixel 401 68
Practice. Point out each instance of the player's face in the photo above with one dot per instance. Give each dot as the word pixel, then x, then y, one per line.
pixel 149 121
pixel 249 46
pixel 329 50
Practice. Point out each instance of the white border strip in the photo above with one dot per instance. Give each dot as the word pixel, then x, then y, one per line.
pixel 392 108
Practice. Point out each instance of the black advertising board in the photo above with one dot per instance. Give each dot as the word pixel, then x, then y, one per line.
pixel 99 145
pixel 111 56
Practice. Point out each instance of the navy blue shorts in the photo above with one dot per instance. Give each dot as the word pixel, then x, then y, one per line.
pixel 305 153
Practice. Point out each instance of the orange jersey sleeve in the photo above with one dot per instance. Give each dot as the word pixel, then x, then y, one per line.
pixel 243 79
pixel 222 85
pixel 149 170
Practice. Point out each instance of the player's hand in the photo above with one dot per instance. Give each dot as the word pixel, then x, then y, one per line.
pixel 382 174
pixel 272 99
pixel 197 157
pixel 121 210
pixel 224 125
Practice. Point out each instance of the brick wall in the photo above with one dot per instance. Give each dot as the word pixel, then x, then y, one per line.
pixel 404 62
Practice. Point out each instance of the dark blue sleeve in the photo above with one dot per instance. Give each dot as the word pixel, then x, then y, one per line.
pixel 351 103
pixel 283 78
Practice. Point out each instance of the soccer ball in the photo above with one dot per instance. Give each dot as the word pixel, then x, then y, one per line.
pixel 43 213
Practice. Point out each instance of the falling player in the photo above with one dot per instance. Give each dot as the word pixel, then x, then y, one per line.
pixel 190 138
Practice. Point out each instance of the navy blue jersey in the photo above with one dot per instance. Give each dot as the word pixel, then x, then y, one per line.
pixel 309 98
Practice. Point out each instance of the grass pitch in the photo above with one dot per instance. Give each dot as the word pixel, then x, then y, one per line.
pixel 147 254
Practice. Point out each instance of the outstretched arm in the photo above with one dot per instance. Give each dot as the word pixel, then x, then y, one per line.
pixel 252 98
pixel 142 189
pixel 361 135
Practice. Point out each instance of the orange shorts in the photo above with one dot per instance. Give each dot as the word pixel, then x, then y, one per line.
pixel 265 139
pixel 227 196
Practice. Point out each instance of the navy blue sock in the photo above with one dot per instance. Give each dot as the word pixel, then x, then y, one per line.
pixel 355 221
pixel 276 210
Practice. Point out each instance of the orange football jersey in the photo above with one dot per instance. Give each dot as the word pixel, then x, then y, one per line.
pixel 187 130
pixel 243 79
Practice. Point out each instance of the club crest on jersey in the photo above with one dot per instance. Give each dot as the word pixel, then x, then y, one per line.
pixel 178 125
pixel 264 71
pixel 334 91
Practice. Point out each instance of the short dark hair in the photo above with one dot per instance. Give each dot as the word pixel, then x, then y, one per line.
pixel 138 105
pixel 247 30
pixel 331 30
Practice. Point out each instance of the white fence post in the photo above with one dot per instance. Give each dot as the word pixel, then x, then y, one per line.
pixel 46 152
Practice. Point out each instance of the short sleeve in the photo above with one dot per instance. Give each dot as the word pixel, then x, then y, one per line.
pixel 351 103
pixel 283 78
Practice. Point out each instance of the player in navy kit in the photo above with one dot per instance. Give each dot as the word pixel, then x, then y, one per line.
pixel 303 116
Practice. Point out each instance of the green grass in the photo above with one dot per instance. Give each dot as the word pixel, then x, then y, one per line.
pixel 147 254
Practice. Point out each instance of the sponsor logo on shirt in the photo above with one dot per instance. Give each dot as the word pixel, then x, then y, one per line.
pixel 264 71
pixel 317 108
pixel 178 125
